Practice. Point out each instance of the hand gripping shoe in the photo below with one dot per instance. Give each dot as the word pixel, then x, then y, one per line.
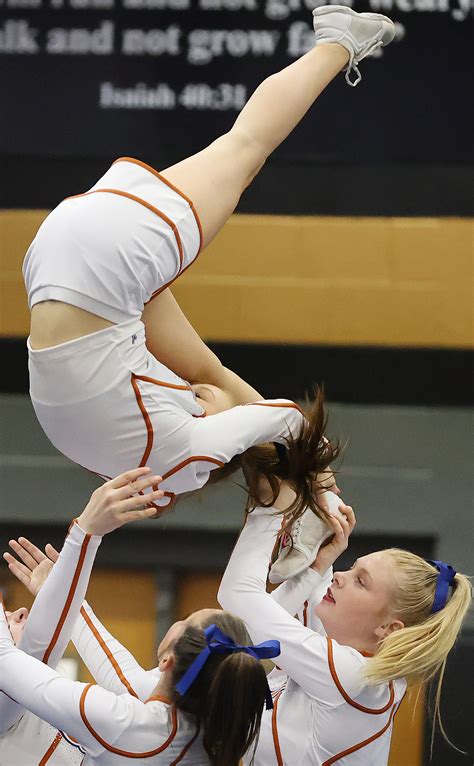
pixel 308 533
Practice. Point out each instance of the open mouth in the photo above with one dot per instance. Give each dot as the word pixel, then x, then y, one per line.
pixel 329 597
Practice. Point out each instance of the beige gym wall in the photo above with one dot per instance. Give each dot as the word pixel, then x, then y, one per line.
pixel 322 280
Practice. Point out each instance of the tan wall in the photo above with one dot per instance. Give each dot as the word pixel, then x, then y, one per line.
pixel 376 281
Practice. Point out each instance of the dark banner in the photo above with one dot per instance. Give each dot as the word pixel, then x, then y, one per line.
pixel 97 78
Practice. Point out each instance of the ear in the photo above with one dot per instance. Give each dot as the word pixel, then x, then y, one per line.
pixel 166 662
pixel 389 627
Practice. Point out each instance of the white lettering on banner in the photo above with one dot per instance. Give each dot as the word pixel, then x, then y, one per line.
pixel 206 44
pixel 157 5
pixel 22 4
pixel 16 36
pixel 98 42
pixel 195 96
pixel 228 5
pixel 140 96
pixel 459 13
pixel 300 39
pixel 151 42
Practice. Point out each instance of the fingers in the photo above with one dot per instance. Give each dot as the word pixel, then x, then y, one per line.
pixel 21 572
pixel 51 552
pixel 128 477
pixel 27 552
pixel 349 514
pixel 137 501
pixel 137 486
pixel 145 513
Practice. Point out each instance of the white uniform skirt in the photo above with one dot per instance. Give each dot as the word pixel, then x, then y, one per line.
pixel 115 247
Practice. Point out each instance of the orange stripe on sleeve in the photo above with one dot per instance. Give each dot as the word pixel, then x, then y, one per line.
pixel 116 750
pixel 288 405
pixel 69 599
pixel 107 653
pixel 349 700
pixel 54 744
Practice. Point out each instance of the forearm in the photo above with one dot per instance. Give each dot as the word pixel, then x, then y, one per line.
pixel 292 594
pixel 56 607
pixel 112 666
pixel 304 654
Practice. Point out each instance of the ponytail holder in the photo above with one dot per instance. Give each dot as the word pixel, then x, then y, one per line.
pixel 281 451
pixel 218 643
pixel 445 579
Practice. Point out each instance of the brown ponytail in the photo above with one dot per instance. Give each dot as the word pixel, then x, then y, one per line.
pixel 307 456
pixel 227 696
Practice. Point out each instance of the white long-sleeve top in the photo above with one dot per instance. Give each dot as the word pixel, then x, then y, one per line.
pixel 24 738
pixel 110 728
pixel 111 665
pixel 324 711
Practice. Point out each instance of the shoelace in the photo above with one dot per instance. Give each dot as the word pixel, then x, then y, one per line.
pixel 354 68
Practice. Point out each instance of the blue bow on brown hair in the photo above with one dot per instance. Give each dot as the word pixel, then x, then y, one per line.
pixel 218 643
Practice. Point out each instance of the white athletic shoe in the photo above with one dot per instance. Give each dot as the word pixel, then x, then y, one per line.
pixel 308 533
pixel 359 33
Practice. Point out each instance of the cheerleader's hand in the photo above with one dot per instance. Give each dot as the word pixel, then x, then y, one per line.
pixel 121 500
pixel 32 566
pixel 337 544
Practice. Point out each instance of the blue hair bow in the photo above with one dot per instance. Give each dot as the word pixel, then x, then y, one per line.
pixel 445 578
pixel 218 643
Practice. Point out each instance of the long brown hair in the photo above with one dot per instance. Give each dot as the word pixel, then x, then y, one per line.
pixel 227 696
pixel 306 456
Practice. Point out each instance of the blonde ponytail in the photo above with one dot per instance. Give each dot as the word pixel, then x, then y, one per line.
pixel 418 652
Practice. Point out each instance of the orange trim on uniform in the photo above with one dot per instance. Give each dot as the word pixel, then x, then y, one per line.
pixel 150 436
pixel 365 742
pixel 276 739
pixel 162 383
pixel 194 459
pixel 349 700
pixel 291 406
pixel 305 614
pixel 69 599
pixel 188 746
pixel 146 418
pixel 107 652
pixel 54 744
pixel 168 284
pixel 158 698
pixel 171 186
pixel 146 204
pixel 116 750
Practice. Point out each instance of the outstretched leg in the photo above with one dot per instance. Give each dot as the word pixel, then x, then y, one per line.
pixel 216 177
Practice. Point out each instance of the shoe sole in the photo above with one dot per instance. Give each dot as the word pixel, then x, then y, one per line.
pixel 350 12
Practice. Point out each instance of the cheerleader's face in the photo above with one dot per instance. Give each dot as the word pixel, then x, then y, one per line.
pixel 212 398
pixel 356 610
pixel 16 622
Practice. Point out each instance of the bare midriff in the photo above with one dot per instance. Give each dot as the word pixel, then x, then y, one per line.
pixel 53 322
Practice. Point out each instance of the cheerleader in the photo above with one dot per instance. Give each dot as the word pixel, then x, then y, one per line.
pixel 390 620
pixel 110 353
pixel 206 662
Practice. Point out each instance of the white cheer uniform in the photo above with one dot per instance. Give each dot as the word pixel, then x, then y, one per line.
pixel 24 738
pixel 112 728
pixel 103 400
pixel 324 713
